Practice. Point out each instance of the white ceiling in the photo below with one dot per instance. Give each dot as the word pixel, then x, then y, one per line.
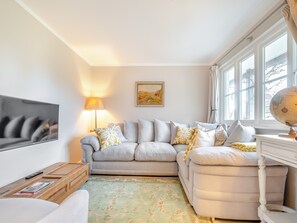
pixel 149 32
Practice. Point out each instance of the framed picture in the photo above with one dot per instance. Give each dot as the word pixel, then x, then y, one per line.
pixel 149 94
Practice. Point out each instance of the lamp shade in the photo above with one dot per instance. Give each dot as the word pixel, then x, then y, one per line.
pixel 94 103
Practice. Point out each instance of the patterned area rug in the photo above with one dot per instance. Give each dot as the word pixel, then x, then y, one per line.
pixel 135 199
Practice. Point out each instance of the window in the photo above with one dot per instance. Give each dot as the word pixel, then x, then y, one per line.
pixel 247 88
pixel 275 71
pixel 229 97
pixel 253 76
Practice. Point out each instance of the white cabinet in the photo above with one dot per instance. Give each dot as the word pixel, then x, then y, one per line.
pixel 283 150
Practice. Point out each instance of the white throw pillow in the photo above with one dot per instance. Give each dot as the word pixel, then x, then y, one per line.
pixel 204 138
pixel 146 131
pixel 162 131
pixel 205 126
pixel 241 134
pixel 131 131
pixel 173 128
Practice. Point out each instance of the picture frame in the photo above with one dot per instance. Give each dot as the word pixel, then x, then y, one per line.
pixel 149 93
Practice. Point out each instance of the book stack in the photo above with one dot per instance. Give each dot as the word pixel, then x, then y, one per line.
pixel 34 188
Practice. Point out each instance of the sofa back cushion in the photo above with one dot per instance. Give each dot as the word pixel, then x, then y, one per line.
pixel 162 131
pixel 29 127
pixel 145 131
pixel 131 131
pixel 3 122
pixel 205 126
pixel 13 128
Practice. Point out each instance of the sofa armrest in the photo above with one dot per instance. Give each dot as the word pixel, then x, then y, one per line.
pixel 92 141
pixel 87 155
pixel 73 209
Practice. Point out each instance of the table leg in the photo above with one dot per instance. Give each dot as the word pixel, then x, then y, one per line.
pixel 262 187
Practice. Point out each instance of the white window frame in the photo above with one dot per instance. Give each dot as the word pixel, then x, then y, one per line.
pixel 245 56
pixel 224 92
pixel 256 49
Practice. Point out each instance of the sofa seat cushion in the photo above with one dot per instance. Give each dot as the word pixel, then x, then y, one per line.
pixel 122 152
pixel 155 151
pixel 180 147
pixel 183 165
pixel 222 155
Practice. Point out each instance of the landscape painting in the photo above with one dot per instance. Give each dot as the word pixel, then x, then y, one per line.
pixel 150 94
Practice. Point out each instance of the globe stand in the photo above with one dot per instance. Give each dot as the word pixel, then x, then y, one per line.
pixel 292 133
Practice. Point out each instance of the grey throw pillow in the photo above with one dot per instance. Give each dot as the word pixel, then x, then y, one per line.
pixel 162 131
pixel 13 128
pixel 241 134
pixel 29 127
pixel 3 122
pixel 41 131
pixel 131 131
pixel 233 126
pixel 145 131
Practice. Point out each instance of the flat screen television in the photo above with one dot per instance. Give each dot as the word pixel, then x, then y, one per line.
pixel 24 122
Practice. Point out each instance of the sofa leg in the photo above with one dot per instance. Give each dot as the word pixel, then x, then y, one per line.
pixel 205 219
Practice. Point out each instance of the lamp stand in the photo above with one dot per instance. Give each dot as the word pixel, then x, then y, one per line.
pixel 95 119
pixel 292 133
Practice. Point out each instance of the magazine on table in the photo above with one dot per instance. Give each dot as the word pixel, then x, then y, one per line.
pixel 34 188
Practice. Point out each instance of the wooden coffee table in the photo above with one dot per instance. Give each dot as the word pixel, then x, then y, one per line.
pixel 65 178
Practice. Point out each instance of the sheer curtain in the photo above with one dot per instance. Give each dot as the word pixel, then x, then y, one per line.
pixel 213 95
pixel 289 12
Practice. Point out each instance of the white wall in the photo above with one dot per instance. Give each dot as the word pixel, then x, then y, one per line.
pixel 186 92
pixel 35 65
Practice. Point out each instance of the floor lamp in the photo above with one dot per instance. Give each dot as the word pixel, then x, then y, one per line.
pixel 94 103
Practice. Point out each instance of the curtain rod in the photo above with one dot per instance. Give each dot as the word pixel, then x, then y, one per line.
pixel 246 36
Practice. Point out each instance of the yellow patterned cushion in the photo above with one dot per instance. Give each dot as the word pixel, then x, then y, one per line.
pixel 108 137
pixel 191 144
pixel 183 135
pixel 244 146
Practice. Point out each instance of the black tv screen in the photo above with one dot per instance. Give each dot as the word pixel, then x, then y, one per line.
pixel 25 122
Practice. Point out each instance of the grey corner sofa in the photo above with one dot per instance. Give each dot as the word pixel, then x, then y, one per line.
pixel 219 182
pixel 146 152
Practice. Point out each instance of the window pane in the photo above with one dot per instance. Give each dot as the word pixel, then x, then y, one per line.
pixel 276 59
pixel 229 111
pixel 229 97
pixel 275 55
pixel 229 81
pixel 271 89
pixel 247 88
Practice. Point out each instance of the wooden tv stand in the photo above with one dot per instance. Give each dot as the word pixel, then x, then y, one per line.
pixel 65 178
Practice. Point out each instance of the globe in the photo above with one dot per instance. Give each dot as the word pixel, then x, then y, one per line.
pixel 283 106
